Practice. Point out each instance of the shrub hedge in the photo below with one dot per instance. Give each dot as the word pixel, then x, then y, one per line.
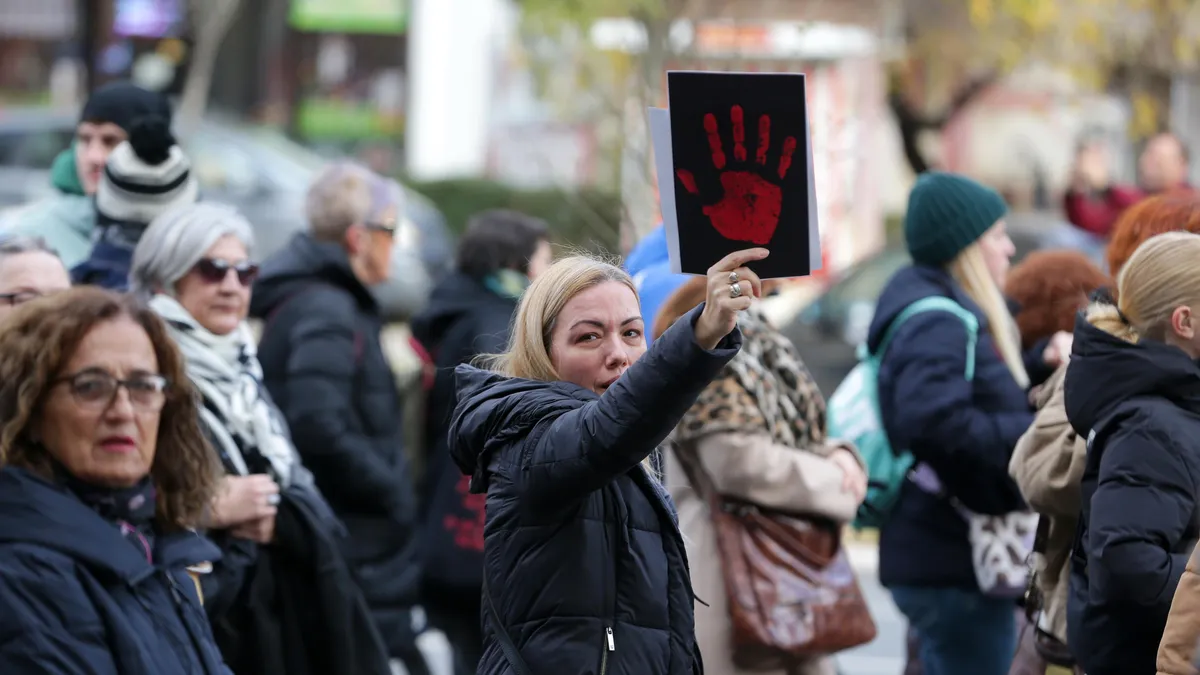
pixel 588 218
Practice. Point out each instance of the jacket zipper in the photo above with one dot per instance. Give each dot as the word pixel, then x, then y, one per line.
pixel 609 646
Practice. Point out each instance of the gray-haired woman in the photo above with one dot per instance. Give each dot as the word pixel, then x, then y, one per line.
pixel 277 534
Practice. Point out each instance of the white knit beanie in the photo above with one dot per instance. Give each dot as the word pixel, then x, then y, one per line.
pixel 146 175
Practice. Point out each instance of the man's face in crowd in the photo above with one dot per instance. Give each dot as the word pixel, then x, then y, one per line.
pixel 30 275
pixel 1162 165
pixel 93 143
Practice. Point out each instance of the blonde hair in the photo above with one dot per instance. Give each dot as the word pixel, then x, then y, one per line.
pixel 528 355
pixel 1159 277
pixel 970 270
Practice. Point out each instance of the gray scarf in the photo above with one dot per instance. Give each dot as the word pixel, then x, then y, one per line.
pixel 236 409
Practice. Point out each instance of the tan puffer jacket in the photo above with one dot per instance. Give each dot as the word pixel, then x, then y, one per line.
pixel 1177 651
pixel 1047 465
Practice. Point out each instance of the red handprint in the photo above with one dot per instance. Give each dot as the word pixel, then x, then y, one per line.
pixel 750 209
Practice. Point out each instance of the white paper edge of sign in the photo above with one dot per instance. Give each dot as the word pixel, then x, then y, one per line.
pixel 815 259
pixel 664 169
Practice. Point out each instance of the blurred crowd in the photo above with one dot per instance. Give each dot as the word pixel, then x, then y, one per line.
pixel 212 462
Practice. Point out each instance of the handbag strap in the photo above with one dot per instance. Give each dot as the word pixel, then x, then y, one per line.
pixel 506 644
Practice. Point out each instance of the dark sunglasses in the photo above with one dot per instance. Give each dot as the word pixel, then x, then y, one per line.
pixel 214 270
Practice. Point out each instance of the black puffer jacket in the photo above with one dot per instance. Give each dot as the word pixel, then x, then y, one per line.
pixel 325 368
pixel 1139 406
pixel 464 319
pixel 583 555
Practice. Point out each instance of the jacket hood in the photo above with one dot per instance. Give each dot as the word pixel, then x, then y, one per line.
pixel 36 511
pixel 304 262
pixel 909 285
pixel 493 409
pixel 64 175
pixel 650 250
pixel 457 295
pixel 1106 371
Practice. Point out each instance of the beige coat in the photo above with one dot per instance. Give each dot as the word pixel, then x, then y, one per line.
pixel 1047 465
pixel 752 468
pixel 1177 651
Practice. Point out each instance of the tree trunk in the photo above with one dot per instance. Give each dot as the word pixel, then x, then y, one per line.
pixel 211 19
pixel 912 123
pixel 638 189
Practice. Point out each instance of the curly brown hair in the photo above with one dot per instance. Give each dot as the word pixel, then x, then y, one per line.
pixel 1167 212
pixel 39 337
pixel 1051 287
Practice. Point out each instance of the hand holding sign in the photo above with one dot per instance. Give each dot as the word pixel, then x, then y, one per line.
pixel 749 210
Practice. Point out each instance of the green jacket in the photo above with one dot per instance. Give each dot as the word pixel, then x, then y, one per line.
pixel 66 220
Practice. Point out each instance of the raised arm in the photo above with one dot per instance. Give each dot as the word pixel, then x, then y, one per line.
pixel 574 452
pixel 577 451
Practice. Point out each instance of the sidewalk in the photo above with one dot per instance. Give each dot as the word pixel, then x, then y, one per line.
pixel 862 547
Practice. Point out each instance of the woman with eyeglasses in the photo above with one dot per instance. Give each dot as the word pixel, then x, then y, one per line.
pixel 29 269
pixel 104 473
pixel 279 539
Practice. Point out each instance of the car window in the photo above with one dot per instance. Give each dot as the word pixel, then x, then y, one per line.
pixel 222 167
pixel 866 281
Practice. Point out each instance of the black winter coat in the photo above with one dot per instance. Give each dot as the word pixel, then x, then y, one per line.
pixel 300 587
pixel 324 366
pixel 965 430
pixel 76 597
pixel 583 555
pixel 463 320
pixel 1140 488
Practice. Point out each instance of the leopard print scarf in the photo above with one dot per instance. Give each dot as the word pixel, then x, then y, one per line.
pixel 766 387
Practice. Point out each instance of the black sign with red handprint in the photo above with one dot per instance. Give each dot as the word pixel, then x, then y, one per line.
pixel 740 152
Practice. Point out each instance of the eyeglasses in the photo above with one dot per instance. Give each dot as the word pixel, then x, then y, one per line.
pixel 19 298
pixel 214 270
pixel 96 390
pixel 389 226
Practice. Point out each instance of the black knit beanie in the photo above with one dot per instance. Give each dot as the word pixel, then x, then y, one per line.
pixel 122 102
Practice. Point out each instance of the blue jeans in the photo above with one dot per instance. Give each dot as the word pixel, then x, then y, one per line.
pixel 962 632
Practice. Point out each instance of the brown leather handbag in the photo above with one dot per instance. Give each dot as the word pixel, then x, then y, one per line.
pixel 792 592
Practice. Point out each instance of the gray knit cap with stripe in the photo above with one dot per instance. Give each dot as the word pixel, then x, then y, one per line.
pixel 145 176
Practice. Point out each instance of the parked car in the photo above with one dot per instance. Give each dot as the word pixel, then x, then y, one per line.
pixel 830 329
pixel 256 169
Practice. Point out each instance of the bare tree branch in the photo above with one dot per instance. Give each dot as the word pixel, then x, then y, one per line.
pixel 211 19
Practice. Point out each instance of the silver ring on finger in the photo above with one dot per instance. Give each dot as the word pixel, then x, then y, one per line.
pixel 733 279
pixel 735 290
pixel 272 500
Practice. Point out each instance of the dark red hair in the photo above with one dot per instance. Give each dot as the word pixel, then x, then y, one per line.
pixel 1174 211
pixel 1050 287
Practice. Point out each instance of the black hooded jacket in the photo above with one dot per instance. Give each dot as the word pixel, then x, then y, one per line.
pixel 463 320
pixel 1139 407
pixel 583 556
pixel 324 366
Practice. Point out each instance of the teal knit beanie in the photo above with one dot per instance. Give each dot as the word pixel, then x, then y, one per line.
pixel 946 214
